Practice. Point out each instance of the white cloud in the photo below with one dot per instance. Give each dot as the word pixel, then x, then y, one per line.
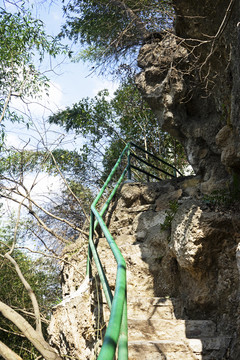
pixel 48 103
pixel 105 84
pixel 43 189
pixel 13 140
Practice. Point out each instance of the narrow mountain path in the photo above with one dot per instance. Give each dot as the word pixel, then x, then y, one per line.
pixel 158 326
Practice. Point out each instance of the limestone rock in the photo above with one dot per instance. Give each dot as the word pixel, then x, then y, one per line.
pixel 194 90
pixel 195 260
pixel 228 141
pixel 72 328
pixel 164 200
pixel 187 235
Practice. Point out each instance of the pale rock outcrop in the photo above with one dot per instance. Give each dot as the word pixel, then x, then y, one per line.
pixel 190 78
pixel 194 258
pixel 74 335
pixel 187 235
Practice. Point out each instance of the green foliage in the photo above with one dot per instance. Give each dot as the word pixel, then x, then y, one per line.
pixel 114 30
pixel 41 274
pixel 170 213
pixel 108 124
pixel 15 163
pixel 225 196
pixel 87 117
pixel 82 193
pixel 111 155
pixel 136 122
pixel 218 197
pixel 22 42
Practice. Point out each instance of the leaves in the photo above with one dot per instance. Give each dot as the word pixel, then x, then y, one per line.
pixel 22 42
pixel 43 278
pixel 108 124
pixel 19 163
pixel 113 30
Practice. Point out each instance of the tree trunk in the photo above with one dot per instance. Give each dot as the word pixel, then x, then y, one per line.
pixel 32 335
pixel 7 353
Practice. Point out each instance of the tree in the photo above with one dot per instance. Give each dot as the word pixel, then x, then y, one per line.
pixel 23 40
pixel 111 30
pixel 106 125
pixel 68 167
pixel 15 296
pixel 25 298
pixel 112 33
pixel 54 223
pixel 109 124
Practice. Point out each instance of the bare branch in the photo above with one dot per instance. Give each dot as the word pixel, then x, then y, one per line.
pixel 16 227
pixel 30 293
pixel 12 332
pixel 225 19
pixel 43 319
pixel 53 257
pixel 73 226
pixel 32 335
pixel 138 23
pixel 7 353
pixel 218 33
pixel 39 220
pixel 66 183
pixel 32 202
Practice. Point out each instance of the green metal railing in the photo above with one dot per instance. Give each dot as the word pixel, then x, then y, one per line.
pixel 117 330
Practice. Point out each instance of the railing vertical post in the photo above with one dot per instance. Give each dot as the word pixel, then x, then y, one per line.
pixel 89 259
pixel 129 164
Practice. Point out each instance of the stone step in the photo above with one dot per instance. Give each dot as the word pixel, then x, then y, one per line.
pixel 150 308
pixel 154 307
pixel 156 329
pixel 193 349
pixel 209 348
pixel 159 350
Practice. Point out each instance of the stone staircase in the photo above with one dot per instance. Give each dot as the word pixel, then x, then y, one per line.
pixel 158 327
pixel 156 334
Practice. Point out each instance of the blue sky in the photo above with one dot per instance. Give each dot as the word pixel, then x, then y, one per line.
pixel 69 83
pixel 76 80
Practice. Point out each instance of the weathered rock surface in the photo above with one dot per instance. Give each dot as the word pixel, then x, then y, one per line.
pixel 72 325
pixel 191 81
pixel 189 252
pixel 194 260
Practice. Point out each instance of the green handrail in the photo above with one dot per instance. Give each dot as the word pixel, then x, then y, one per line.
pixel 117 330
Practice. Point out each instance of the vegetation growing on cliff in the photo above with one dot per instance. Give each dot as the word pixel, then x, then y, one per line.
pixel 41 274
pixel 112 31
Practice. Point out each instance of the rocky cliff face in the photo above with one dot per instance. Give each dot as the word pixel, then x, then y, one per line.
pixel 190 78
pixel 177 244
pixel 189 248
